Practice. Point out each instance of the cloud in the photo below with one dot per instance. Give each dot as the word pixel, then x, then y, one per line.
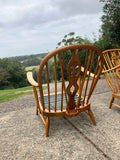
pixel 30 14
pixel 78 7
pixel 33 13
pixel 35 26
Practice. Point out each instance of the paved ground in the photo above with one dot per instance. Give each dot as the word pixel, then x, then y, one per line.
pixel 22 133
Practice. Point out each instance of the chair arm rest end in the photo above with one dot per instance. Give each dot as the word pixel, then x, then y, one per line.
pixel 31 79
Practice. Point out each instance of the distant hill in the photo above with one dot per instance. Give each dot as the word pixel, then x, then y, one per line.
pixel 30 60
pixel 22 58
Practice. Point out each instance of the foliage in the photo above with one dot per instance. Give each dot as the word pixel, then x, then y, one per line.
pixel 44 72
pixel 110 28
pixel 3 78
pixel 35 71
pixel 28 57
pixel 66 59
pixel 70 39
pixel 30 60
pixel 13 74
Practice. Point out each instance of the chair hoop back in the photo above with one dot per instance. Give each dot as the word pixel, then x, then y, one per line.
pixel 72 67
pixel 111 68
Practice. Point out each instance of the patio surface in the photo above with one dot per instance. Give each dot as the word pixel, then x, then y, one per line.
pixel 22 133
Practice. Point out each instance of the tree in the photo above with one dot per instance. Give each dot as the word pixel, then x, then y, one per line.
pixel 12 73
pixel 70 39
pixel 32 62
pixel 110 28
pixel 3 78
pixel 17 74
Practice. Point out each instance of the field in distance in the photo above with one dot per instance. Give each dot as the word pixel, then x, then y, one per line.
pixel 30 68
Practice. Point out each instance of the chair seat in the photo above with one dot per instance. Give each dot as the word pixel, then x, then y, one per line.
pixel 58 102
pixel 118 93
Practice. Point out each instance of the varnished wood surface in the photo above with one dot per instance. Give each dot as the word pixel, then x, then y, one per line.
pixel 80 77
pixel 31 79
pixel 111 72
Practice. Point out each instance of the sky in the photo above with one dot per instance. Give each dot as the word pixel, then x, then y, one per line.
pixel 36 26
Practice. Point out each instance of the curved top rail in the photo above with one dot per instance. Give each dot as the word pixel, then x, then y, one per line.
pixel 65 48
pixel 110 50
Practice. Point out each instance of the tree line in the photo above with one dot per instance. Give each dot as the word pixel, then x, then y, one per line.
pixel 28 57
pixel 30 60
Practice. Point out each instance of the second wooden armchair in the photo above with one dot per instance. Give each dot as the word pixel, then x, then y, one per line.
pixel 67 72
pixel 111 72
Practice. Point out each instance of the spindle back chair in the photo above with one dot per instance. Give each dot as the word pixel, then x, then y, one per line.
pixel 111 72
pixel 71 74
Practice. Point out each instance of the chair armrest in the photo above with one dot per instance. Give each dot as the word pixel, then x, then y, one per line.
pixel 31 79
pixel 116 67
pixel 91 74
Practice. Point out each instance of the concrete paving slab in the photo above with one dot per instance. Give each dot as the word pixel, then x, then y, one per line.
pixel 106 134
pixel 22 133
pixel 22 136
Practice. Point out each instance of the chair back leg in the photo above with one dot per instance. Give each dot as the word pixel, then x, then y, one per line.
pixel 91 116
pixel 112 99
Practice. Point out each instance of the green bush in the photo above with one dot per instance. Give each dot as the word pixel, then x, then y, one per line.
pixel 12 75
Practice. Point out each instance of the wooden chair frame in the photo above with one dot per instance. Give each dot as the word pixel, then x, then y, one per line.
pixel 75 85
pixel 111 72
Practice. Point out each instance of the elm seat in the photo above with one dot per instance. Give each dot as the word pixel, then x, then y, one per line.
pixel 111 72
pixel 70 74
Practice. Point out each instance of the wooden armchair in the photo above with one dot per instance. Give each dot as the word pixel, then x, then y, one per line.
pixel 67 72
pixel 111 72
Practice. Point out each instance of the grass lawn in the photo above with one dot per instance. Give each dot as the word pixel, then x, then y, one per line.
pixel 6 95
pixel 31 67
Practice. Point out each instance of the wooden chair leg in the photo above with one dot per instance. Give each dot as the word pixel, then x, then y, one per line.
pixel 47 126
pixel 91 116
pixel 36 110
pixel 112 99
pixel 36 98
